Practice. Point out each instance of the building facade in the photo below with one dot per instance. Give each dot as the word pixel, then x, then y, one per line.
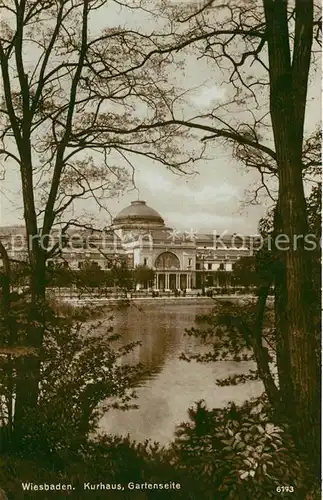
pixel 139 237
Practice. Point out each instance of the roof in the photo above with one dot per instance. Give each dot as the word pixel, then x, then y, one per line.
pixel 138 212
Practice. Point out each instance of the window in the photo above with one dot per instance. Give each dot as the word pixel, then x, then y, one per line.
pixel 189 262
pixel 198 265
pixel 80 265
pixel 65 241
pixel 221 267
pixel 209 266
pixel 145 261
pixel 167 260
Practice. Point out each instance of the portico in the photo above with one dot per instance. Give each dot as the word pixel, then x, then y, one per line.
pixel 179 260
pixel 168 280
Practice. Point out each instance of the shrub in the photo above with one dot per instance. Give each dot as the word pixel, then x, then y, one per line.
pixel 239 453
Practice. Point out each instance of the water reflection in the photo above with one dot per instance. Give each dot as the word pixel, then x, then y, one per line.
pixel 171 385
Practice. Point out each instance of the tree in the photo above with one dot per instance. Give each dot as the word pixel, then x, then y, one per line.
pixel 143 274
pixel 91 275
pixel 232 452
pixel 280 39
pixel 59 276
pixel 64 105
pixel 69 102
pixel 122 275
pixel 73 105
pixel 244 271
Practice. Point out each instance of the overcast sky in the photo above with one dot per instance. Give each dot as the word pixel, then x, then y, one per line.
pixel 211 199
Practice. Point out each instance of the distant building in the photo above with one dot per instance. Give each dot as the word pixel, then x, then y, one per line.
pixel 139 236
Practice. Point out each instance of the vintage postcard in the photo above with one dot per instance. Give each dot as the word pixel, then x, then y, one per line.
pixel 160 257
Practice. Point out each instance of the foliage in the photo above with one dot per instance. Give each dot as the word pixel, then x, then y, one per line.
pixel 19 274
pixel 229 453
pixel 224 453
pixel 314 213
pixel 109 93
pixel 268 263
pixel 90 275
pixel 58 275
pixel 244 271
pixel 225 333
pixel 241 330
pixel 143 274
pixel 239 453
pixel 122 276
pixel 79 371
pixel 314 209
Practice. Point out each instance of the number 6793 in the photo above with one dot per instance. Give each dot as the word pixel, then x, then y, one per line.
pixel 285 489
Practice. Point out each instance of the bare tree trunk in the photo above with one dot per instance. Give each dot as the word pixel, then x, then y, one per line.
pixel 261 352
pixel 7 340
pixel 5 283
pixel 288 89
pixel 281 323
pixel 29 366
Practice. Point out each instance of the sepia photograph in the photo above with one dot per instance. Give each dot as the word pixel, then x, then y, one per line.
pixel 160 249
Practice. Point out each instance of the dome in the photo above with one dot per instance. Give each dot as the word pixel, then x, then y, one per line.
pixel 138 214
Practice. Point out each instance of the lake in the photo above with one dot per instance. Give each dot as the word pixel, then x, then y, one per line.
pixel 173 385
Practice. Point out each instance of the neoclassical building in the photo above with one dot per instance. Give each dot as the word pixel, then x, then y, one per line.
pixel 139 236
pixel 181 260
pixel 147 241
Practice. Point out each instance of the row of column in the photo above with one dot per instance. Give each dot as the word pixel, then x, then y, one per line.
pixel 178 283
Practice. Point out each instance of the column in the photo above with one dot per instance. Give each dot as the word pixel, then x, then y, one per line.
pixel 189 281
pixel 178 281
pixel 166 281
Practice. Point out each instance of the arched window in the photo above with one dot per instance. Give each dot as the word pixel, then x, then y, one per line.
pixel 167 260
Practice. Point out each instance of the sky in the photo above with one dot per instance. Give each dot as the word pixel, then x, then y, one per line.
pixel 211 199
